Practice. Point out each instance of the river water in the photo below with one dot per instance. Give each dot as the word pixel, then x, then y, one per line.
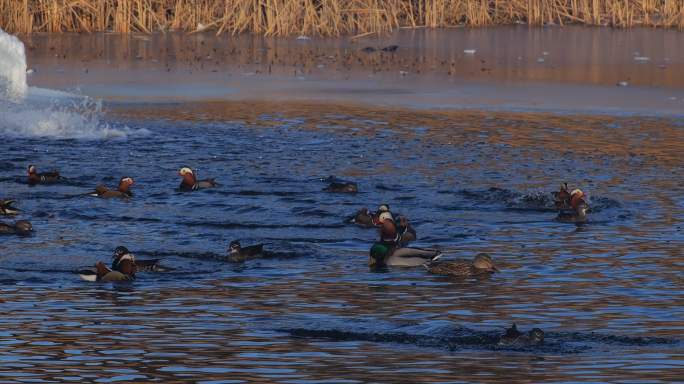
pixel 608 293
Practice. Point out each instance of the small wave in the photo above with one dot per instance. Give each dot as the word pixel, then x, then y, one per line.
pixel 532 201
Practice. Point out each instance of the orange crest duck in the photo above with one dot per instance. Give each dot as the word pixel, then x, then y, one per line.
pixel 42 178
pixel 123 190
pixel 190 182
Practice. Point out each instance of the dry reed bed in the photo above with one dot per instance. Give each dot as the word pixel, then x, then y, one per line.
pixel 323 17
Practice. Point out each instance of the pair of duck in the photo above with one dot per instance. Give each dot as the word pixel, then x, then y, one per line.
pixel 572 205
pixel 391 249
pixel 20 227
pixel 125 266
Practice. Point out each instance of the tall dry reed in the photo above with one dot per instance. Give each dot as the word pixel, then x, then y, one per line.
pixel 323 17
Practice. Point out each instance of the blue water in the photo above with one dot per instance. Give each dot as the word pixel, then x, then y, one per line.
pixel 607 293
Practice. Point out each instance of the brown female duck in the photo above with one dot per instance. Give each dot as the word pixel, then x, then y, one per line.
pixel 481 265
pixel 20 228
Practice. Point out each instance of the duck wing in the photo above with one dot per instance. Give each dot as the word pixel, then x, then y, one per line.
pixel 412 257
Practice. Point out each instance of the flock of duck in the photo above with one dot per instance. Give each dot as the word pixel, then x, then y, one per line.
pixel 391 248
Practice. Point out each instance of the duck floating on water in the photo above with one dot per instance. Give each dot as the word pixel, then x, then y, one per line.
pixel 406 232
pixel 7 209
pixel 342 187
pixel 190 182
pixel 238 254
pixel 124 267
pixel 387 252
pixel 578 208
pixel 514 338
pixel 481 265
pixel 123 191
pixel 42 178
pixel 20 228
pixel 364 218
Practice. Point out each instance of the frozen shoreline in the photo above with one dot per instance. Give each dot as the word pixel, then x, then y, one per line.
pixel 560 70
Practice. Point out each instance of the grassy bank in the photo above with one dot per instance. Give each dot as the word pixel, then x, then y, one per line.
pixel 323 17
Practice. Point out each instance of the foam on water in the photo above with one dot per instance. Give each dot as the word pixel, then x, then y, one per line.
pixel 12 67
pixel 36 112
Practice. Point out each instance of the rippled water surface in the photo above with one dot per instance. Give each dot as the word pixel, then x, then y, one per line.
pixel 607 293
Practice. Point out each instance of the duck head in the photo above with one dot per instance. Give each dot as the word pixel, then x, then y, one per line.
pixel 120 251
pixel 6 207
pixel 125 183
pixel 378 253
pixel 188 176
pixel 234 247
pixel 23 228
pixel 383 208
pixel 32 170
pixel 536 336
pixel 484 262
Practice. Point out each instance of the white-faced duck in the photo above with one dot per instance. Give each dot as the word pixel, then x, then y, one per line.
pixel 123 191
pixel 20 228
pixel 237 253
pixel 481 265
pixel 42 178
pixel 123 268
pixel 515 338
pixel 578 208
pixel 190 182
pixel 7 209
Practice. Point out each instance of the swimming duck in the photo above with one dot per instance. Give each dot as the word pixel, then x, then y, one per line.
pixel 238 254
pixel 7 209
pixel 578 208
pixel 42 178
pixel 190 182
pixel 481 265
pixel 123 191
pixel 342 187
pixel 515 338
pixel 382 254
pixel 21 228
pixel 562 197
pixel 123 268
pixel 406 232
pixel 364 218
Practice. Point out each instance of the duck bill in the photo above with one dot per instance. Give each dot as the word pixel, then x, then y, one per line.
pixel 495 269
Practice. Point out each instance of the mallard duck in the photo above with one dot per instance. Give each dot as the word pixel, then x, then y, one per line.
pixel 515 338
pixel 7 209
pixel 237 253
pixel 123 191
pixel 383 254
pixel 481 265
pixel 190 182
pixel 42 178
pixel 21 228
